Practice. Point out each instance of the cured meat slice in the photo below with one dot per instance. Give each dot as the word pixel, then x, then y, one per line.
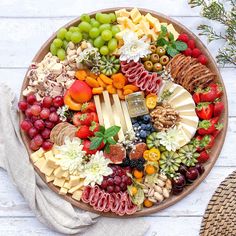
pixel 96 196
pixel 86 194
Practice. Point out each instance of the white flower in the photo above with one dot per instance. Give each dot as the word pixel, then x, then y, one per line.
pixel 71 156
pixel 61 111
pixel 95 169
pixel 170 138
pixel 133 48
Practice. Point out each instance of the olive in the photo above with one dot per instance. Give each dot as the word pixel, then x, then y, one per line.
pixel 155 58
pixel 164 60
pixel 161 51
pixel 153 48
pixel 148 65
pixel 157 67
pixel 146 58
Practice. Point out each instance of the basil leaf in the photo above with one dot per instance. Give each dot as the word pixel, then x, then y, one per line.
pixel 99 134
pixel 102 129
pixel 163 30
pixel 162 42
pixel 112 131
pixel 95 143
pixel 107 148
pixel 111 140
pixel 180 46
pixel 171 51
pixel 171 37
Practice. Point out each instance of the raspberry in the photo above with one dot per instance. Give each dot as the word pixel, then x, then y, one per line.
pixel 196 53
pixel 191 44
pixel 202 59
pixel 188 52
pixel 183 38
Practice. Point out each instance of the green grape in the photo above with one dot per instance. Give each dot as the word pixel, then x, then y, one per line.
pixel 53 49
pixel 94 23
pixel 73 29
pixel 106 35
pixel 58 43
pixel 112 17
pixel 112 44
pixel 115 29
pixel 85 35
pixel 85 26
pixel 61 53
pixel 94 33
pixel 61 33
pixel 76 37
pixel 104 50
pixel 65 43
pixel 91 41
pixel 98 42
pixel 85 17
pixel 77 29
pixel 104 27
pixel 68 35
pixel 104 19
pixel 97 16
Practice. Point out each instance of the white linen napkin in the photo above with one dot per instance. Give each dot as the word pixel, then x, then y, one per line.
pixel 49 207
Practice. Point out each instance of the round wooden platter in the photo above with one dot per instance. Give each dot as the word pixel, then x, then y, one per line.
pixel 215 150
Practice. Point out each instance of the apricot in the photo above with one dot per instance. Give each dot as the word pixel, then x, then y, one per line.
pixel 80 91
pixel 73 105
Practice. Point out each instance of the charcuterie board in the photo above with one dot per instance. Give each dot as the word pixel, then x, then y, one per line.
pixel 123 112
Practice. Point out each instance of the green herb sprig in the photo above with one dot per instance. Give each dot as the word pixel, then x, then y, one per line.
pixel 106 136
pixel 173 47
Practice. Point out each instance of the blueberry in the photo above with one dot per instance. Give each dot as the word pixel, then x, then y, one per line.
pixel 143 134
pixel 134 120
pixel 148 132
pixel 143 126
pixel 146 118
pixel 136 125
pixel 148 126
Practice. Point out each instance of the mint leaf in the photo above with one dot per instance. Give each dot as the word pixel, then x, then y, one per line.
pixel 180 46
pixel 172 51
pixel 112 131
pixel 111 140
pixel 162 42
pixel 99 134
pixel 102 129
pixel 107 148
pixel 95 142
pixel 163 31
pixel 171 37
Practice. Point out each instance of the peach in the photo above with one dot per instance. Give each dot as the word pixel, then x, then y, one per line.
pixel 80 91
pixel 71 103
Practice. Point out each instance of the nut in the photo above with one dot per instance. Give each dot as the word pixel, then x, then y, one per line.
pixel 151 192
pixel 152 199
pixel 158 197
pixel 166 193
pixel 160 183
pixel 162 177
pixel 158 189
pixel 168 184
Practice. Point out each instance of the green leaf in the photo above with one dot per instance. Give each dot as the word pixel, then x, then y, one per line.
pixel 99 134
pixel 102 129
pixel 180 46
pixel 111 140
pixel 112 131
pixel 107 148
pixel 171 37
pixel 171 51
pixel 163 30
pixel 162 42
pixel 95 142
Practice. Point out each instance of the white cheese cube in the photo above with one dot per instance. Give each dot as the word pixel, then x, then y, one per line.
pixel 77 195
pixel 58 172
pixel 63 191
pixel 122 13
pixel 49 178
pixel 59 182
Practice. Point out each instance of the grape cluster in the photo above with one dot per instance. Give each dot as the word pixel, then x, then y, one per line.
pixel 142 126
pixel 40 118
pixel 186 175
pixel 117 181
pixel 99 31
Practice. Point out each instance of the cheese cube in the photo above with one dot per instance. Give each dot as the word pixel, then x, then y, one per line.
pixel 157 27
pixel 59 182
pixel 40 163
pixel 55 151
pixel 49 178
pixel 122 12
pixel 74 180
pixel 77 195
pixel 46 169
pixel 137 19
pixel 135 14
pixel 139 33
pixel 122 20
pixel 144 25
pixel 152 34
pixel 63 191
pixel 77 187
pixel 58 172
pixel 48 154
pixel 66 185
pixel 171 29
pixel 40 152
pixel 152 20
pixel 130 24
pixel 66 174
pixel 34 156
pixel 120 34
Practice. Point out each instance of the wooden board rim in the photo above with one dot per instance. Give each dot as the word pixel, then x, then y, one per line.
pixel 215 151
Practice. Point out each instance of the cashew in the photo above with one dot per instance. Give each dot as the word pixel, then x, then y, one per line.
pixel 158 197
pixel 152 200
pixel 160 182
pixel 162 177
pixel 151 192
pixel 166 193
pixel 168 184
pixel 158 189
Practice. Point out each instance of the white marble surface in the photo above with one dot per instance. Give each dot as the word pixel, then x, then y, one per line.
pixel 24 26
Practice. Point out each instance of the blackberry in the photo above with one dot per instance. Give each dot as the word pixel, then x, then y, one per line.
pixel 126 162
pixel 141 160
pixel 133 163
pixel 139 167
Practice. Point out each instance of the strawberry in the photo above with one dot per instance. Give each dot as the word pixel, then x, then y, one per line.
pixel 207 126
pixel 191 44
pixel 218 107
pixel 197 143
pixel 88 107
pixel 94 127
pixel 209 94
pixel 218 88
pixel 202 59
pixel 197 96
pixel 183 38
pixel 208 141
pixel 94 117
pixel 219 127
pixel 204 156
pixel 196 53
pixel 83 132
pixel 86 119
pixel 76 119
pixel 86 143
pixel 204 110
pixel 188 52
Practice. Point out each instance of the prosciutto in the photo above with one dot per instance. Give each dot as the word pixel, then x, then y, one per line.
pixel 119 203
pixel 137 74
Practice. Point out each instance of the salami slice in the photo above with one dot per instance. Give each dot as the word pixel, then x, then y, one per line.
pixel 86 194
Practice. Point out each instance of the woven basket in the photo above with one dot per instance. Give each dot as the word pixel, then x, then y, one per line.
pixel 220 216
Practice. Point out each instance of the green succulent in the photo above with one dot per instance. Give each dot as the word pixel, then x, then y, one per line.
pixel 188 155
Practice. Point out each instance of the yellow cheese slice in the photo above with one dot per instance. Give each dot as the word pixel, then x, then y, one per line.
pixel 46 169
pixel 126 115
pixel 135 14
pixel 49 178
pixel 122 12
pixel 34 157
pixel 152 20
pixel 63 191
pixel 77 187
pixel 77 195
pixel 59 182
pixel 74 180
pixel 97 102
pixel 58 172
pixel 40 162
pixel 171 29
